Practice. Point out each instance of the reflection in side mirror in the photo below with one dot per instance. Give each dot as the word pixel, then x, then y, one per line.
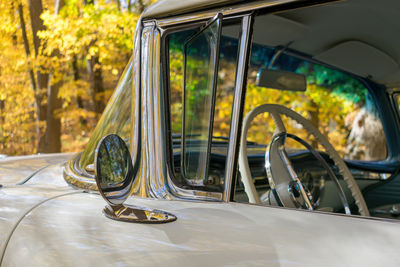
pixel 114 171
pixel 281 80
pixel 114 178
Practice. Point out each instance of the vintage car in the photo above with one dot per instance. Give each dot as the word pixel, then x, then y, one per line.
pixel 241 133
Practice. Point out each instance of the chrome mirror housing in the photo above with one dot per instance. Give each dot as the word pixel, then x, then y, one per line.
pixel 114 178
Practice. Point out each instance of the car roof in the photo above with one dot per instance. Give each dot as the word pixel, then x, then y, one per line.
pixel 166 8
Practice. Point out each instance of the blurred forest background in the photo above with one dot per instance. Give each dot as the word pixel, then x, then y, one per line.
pixel 59 63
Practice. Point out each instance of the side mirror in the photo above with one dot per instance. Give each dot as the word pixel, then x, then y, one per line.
pixel 281 80
pixel 115 176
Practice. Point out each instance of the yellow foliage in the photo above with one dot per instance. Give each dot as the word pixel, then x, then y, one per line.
pixel 329 108
pixel 78 32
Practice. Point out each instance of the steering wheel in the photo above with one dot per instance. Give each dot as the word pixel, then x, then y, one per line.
pixel 284 182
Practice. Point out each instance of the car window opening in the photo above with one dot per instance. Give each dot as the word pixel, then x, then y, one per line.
pixel 205 138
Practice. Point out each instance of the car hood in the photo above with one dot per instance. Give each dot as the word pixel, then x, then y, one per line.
pixel 27 182
pixel 18 169
pixel 70 230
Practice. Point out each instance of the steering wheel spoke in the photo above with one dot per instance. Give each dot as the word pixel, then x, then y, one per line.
pixel 282 177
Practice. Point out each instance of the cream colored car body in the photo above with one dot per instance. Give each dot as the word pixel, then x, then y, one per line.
pixel 44 221
pixel 45 224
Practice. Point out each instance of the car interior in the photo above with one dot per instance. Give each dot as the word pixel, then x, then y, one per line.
pixel 330 65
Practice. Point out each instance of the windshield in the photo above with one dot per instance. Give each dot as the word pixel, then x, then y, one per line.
pixel 116 118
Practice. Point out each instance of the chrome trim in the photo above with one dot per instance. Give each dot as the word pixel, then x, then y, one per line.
pixel 33 174
pixel 90 168
pixel 277 149
pixel 237 109
pixel 135 144
pixel 154 179
pixel 157 142
pixel 75 178
pixel 134 214
pixel 140 187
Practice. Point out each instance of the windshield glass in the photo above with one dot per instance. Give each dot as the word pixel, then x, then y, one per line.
pixel 116 118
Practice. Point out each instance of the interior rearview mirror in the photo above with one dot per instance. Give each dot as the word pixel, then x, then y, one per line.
pixel 281 80
pixel 115 176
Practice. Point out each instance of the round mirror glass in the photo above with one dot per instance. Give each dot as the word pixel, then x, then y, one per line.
pixel 114 170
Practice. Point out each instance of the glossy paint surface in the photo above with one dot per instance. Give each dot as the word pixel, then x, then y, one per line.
pixel 72 231
pixel 16 201
pixel 16 169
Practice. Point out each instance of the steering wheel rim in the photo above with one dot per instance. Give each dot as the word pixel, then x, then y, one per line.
pixel 275 111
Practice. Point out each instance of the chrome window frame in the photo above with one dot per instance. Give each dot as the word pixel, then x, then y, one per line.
pixel 173 24
pixel 174 188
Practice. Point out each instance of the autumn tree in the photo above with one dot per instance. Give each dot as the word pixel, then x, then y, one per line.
pixel 35 10
pixel 17 111
pixel 59 65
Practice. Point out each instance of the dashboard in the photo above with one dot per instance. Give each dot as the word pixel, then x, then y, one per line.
pixel 313 176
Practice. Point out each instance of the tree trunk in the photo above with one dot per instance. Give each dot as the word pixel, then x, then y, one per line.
pixel 129 5
pixel 96 81
pixel 88 2
pixel 36 9
pixel 31 72
pixel 119 5
pixel 2 106
pixel 79 100
pixel 52 138
pixel 52 141
pixel 314 121
pixel 96 78
pixel 12 16
pixel 26 45
pixel 140 6
pixel 76 78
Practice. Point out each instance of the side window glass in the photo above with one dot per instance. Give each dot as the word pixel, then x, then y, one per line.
pixel 201 110
pixel 337 103
pixel 200 78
